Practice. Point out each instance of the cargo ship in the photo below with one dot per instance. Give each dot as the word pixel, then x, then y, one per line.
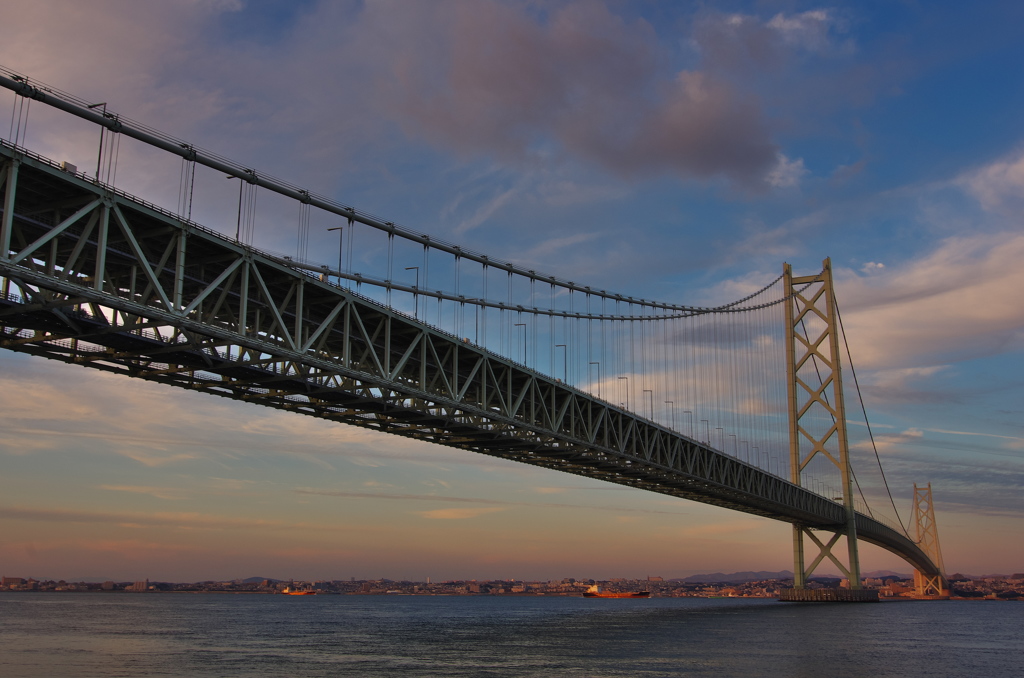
pixel 296 592
pixel 596 592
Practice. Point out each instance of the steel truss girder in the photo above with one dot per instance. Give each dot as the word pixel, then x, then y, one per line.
pixel 94 277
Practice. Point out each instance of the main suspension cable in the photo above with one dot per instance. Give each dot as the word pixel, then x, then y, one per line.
pixel 867 423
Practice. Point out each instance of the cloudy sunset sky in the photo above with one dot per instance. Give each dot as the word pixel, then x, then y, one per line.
pixel 671 150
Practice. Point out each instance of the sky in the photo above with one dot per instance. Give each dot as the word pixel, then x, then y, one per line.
pixel 678 151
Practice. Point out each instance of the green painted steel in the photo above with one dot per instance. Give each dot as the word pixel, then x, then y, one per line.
pixel 98 278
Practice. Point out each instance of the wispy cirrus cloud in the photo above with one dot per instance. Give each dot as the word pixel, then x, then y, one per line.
pixel 458 513
pixel 907 384
pixel 957 302
pixel 814 30
pixel 71 408
pixel 786 173
pixel 738 42
pixel 998 186
pixel 731 527
pixel 184 520
pixel 1017 440
pixel 158 492
pixel 474 500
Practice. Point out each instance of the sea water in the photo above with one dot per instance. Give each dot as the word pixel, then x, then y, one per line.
pixel 53 635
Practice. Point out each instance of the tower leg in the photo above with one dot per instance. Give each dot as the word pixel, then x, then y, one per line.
pixel 798 557
pixel 815 394
pixel 853 551
pixel 928 586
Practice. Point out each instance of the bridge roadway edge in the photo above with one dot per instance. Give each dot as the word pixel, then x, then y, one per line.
pixel 448 420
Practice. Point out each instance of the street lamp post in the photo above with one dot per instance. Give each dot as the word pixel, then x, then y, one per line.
pixel 238 221
pixel 523 325
pixel 416 294
pixel 476 318
pixel 476 315
pixel 341 241
pixel 565 362
pixel 99 156
pixel 598 363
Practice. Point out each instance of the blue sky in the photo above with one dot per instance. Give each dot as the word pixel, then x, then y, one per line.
pixel 679 151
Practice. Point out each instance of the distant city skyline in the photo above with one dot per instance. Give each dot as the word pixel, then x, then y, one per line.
pixel 672 151
pixel 878 586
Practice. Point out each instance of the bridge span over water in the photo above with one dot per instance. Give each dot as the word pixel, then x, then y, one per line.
pixel 95 277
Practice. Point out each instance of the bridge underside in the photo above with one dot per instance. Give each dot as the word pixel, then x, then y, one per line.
pixel 94 277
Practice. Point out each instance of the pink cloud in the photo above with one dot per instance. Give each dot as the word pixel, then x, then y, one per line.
pixel 956 303
pixel 593 85
pixel 458 513
pixel 998 186
pixel 478 78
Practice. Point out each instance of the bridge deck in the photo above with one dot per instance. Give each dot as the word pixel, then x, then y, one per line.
pixel 95 277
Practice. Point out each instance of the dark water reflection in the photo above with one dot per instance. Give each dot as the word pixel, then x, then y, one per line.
pixel 120 634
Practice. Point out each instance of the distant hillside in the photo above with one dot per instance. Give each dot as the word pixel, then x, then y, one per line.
pixel 885 574
pixel 735 577
pixel 257 580
pixel 744 577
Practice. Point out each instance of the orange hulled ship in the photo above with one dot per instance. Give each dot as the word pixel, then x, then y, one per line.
pixel 596 592
pixel 288 591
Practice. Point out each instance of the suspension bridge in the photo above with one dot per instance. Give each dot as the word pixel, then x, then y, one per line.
pixel 739 405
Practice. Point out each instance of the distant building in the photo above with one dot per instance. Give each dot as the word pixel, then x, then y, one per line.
pixel 899 589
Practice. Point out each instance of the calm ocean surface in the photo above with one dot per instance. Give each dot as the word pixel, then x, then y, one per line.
pixel 93 634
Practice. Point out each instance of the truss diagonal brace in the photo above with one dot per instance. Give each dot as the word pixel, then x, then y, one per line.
pixel 833 447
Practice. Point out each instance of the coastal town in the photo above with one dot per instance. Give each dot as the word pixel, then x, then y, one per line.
pixel 990 587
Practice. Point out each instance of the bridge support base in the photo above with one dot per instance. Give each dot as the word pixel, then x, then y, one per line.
pixel 828 595
pixel 930 588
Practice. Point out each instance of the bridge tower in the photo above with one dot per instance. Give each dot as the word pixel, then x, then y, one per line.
pixel 927 534
pixel 815 395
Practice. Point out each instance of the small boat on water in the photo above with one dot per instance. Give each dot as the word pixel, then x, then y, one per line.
pixel 596 592
pixel 297 592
